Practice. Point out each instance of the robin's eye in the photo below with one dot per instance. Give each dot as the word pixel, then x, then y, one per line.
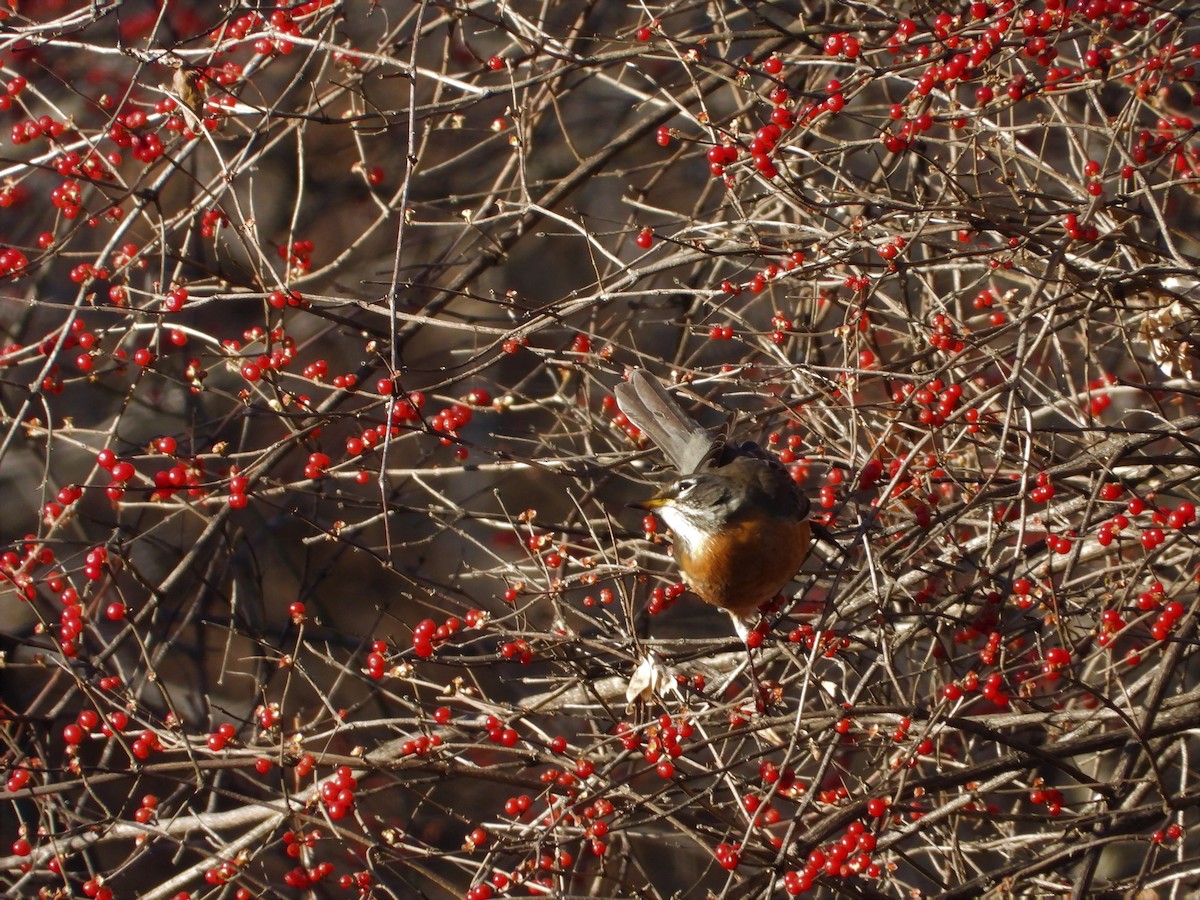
pixel 685 485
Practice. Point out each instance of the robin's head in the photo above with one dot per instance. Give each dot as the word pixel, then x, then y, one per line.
pixel 698 506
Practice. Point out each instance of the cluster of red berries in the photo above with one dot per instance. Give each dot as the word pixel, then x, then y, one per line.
pixel 12 88
pixel 846 857
pixel 283 20
pixel 945 336
pixel 94 563
pixel 936 401
pixel 720 333
pixel 1077 231
pixel 337 793
pixel 1169 137
pixel 71 620
pixel 317 465
pixel 377 661
pixel 85 723
pixel 759 281
pixel 993 685
pixel 119 471
pixel 146 148
pixel 780 325
pixel 1043 491
pixel 238 486
pixel 986 300
pixel 65 497
pixel 764 145
pixel 1056 659
pixel 1171 613
pixel 1182 516
pixel 421 745
pixel 428 635
pixel 1099 398
pixel 302 879
pixel 146 743
pixel 283 23
pixel 499 733
pixel 297 255
pixel 764 815
pixel 211 220
pixel 17 779
pixel 512 345
pixel 223 735
pixel 67 198
pixel 829 643
pixel 32 129
pixel 987 656
pixel 267 715
pixel 13 195
pixel 890 249
pixel 719 156
pixel 186 475
pixel 518 650
pixel 1172 832
pixel 660 743
pixel 729 856
pixel 82 273
pixel 1051 798
pixel 147 810
pixel 407 408
pixel 1151 598
pixel 605 597
pixel 222 873
pixel 316 370
pixel 124 133
pixel 663 598
pixel 993 689
pixel 12 262
pixel 518 806
pixel 597 829
pixel 842 44
pixel 798 467
pixel 449 420
pixel 281 349
pixel 782 781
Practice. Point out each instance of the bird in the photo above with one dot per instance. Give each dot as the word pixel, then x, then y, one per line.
pixel 738 521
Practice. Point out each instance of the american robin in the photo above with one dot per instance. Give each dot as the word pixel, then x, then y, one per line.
pixel 738 520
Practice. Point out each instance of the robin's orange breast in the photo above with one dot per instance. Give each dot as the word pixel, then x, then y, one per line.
pixel 746 563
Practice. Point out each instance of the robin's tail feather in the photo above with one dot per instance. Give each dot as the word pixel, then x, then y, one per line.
pixel 648 406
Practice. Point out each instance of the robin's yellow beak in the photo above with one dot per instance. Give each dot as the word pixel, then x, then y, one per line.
pixel 663 498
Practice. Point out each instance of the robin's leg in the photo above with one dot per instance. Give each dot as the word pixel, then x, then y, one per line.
pixel 743 625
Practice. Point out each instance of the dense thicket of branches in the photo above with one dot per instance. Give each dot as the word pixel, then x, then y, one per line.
pixel 318 569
